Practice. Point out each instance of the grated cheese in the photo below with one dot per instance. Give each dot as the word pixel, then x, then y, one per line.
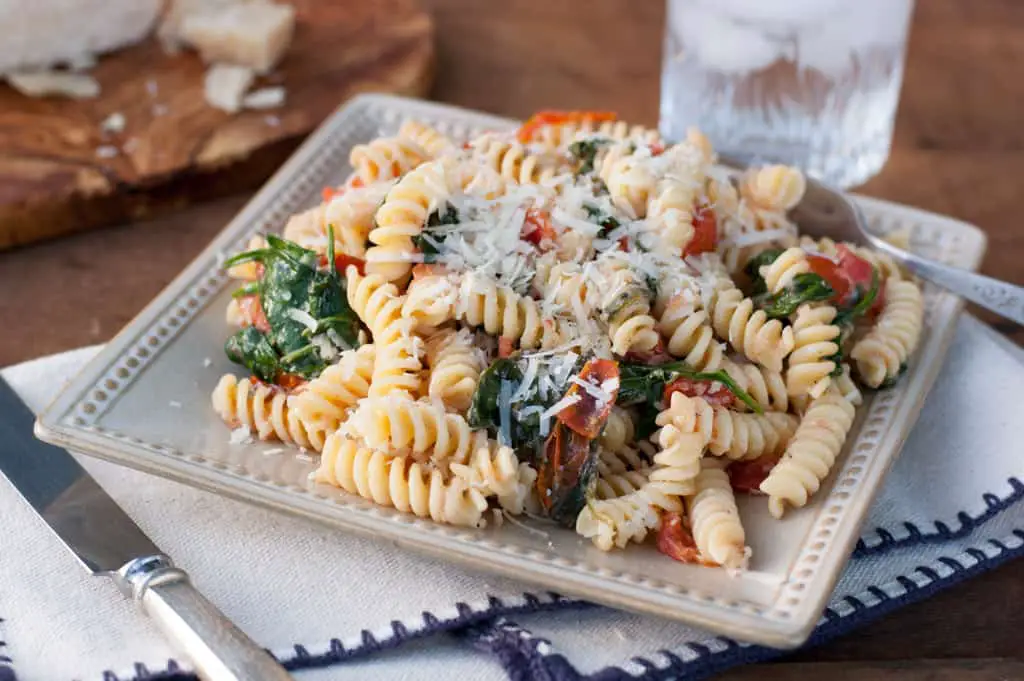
pixel 302 317
pixel 241 435
pixel 556 408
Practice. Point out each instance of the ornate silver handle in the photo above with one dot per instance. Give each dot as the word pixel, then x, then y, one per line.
pixel 998 296
pixel 219 650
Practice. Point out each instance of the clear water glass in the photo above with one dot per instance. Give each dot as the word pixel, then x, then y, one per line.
pixel 811 83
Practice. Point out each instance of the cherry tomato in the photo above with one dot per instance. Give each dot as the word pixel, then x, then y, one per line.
pixel 587 416
pixel 747 476
pixel 427 270
pixel 342 261
pixel 544 118
pixel 537 229
pixel 289 382
pixel 861 272
pixel 715 395
pixel 675 539
pixel 252 313
pixel 506 346
pixel 654 356
pixel 837 278
pixel 705 234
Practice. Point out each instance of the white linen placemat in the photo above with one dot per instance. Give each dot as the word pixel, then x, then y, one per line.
pixel 317 597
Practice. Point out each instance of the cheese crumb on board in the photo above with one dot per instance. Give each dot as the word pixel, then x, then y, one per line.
pixel 54 83
pixel 114 123
pixel 264 98
pixel 226 85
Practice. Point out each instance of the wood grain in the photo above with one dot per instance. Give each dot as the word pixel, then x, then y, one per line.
pixel 176 149
pixel 959 149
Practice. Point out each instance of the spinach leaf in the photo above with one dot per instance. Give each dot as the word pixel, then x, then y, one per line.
pixel 753 269
pixel 642 383
pixel 248 289
pixel 585 153
pixel 251 348
pixel 293 286
pixel 434 234
pixel 484 409
pixel 847 318
pixel 607 222
pixel 807 287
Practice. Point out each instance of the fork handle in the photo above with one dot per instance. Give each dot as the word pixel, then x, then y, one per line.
pixel 1001 297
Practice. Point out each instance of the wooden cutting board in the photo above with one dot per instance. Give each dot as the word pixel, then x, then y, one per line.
pixel 57 174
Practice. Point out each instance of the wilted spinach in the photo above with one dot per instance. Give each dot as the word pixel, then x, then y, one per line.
pixel 805 288
pixel 293 284
pixel 585 153
pixel 434 234
pixel 753 269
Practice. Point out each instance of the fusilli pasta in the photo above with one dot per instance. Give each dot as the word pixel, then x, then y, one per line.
pixel 575 319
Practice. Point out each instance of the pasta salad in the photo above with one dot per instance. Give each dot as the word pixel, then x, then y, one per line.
pixel 575 320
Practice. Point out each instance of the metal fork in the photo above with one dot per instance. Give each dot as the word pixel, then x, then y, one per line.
pixel 826 212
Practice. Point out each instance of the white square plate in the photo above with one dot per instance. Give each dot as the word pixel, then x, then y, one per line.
pixel 120 409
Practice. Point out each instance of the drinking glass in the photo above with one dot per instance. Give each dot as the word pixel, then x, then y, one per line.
pixel 810 83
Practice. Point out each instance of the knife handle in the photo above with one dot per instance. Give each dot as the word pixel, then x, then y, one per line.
pixel 219 650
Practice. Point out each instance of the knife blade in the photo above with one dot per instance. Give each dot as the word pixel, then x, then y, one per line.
pixel 107 542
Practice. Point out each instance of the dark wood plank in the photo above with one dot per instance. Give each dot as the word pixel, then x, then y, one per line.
pixel 176 148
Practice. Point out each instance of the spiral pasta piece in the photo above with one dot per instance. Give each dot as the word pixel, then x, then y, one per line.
pixel 492 469
pixel 780 273
pixel 619 430
pixel 349 214
pixel 671 212
pixel 386 158
pixel 735 435
pixel 399 482
pixel 503 312
pixel 766 387
pixel 847 388
pixel 811 453
pixel 774 187
pixel 430 301
pixel 815 342
pixel 882 353
pixel 689 336
pixel 397 367
pixel 749 331
pixel 324 402
pixel 614 523
pixel 422 428
pixel 715 519
pixel 426 138
pixel 612 485
pixel 630 183
pixel 403 216
pixel 562 134
pixel 455 364
pixel 514 162
pixel 263 410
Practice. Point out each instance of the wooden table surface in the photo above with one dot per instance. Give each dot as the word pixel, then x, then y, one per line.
pixel 959 150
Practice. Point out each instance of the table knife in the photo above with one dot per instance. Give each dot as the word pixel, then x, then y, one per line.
pixel 108 543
